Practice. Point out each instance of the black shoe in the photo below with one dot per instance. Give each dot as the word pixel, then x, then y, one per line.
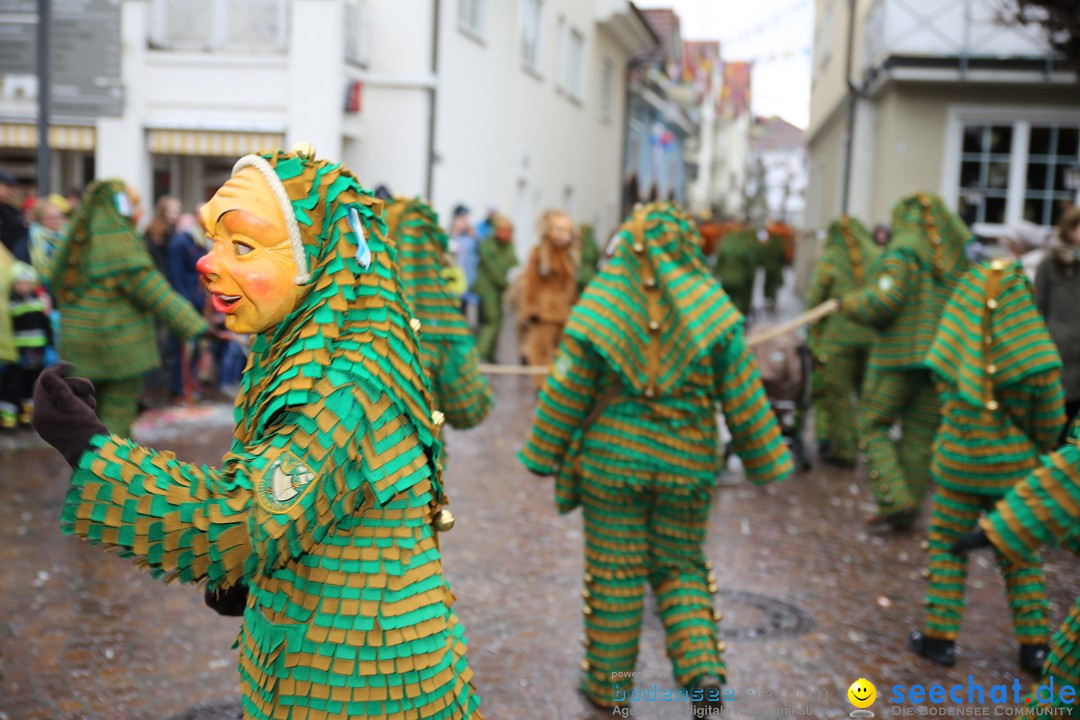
pixel 1033 657
pixel 836 461
pixel 942 652
pixel 711 704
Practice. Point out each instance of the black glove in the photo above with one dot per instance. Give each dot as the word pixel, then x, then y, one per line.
pixel 972 541
pixel 64 412
pixel 229 601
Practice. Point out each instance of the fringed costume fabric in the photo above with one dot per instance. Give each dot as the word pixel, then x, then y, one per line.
pixel 737 258
pixel 325 503
pixel 657 337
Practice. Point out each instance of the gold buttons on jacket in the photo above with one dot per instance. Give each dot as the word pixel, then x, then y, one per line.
pixel 586 609
pixel 991 368
pixel 639 247
pixel 992 405
pixel 717 616
pixel 650 283
pixel 650 392
pixel 992 304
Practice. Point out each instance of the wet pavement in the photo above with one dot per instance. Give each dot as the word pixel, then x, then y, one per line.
pixel 812 600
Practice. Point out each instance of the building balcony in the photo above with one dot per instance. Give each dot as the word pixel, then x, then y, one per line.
pixel 948 40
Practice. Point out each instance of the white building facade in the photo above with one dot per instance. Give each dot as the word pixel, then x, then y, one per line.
pixel 511 104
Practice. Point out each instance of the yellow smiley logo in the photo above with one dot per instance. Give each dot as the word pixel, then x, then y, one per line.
pixel 862 693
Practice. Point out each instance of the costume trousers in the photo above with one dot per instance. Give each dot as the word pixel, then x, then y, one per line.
pixel 842 378
pixel 118 403
pixel 955 514
pixel 1063 664
pixel 491 317
pixel 899 472
pixel 633 537
pixel 541 342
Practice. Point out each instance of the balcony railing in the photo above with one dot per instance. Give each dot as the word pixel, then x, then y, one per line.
pixel 249 26
pixel 961 29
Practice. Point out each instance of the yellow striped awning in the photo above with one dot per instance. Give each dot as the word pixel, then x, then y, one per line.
pixel 61 137
pixel 214 143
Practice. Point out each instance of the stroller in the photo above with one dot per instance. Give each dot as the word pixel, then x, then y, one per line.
pixel 784 365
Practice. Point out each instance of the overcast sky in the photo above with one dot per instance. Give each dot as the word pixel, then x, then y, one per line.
pixel 776 34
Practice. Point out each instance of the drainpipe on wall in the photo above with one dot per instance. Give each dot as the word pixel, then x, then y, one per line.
pixel 852 99
pixel 429 184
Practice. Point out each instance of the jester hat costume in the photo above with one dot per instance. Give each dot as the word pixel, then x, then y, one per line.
pixel 1002 407
pixel 918 272
pixel 651 347
pixel 449 353
pixel 326 502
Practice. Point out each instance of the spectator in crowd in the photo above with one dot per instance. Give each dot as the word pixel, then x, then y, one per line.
pixel 882 234
pixel 28 308
pixel 73 197
pixel 496 259
pixel 161 227
pixel 463 244
pixel 14 232
pixel 8 354
pixel 50 221
pixel 549 287
pixel 1057 295
pixel 486 226
pixel 1026 242
pixel 183 253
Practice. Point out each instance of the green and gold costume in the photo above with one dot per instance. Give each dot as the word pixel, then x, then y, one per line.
pixel 736 266
pixel 656 335
pixel 495 260
pixel 1002 406
pixel 109 294
pixel 590 257
pixel 324 505
pixel 918 272
pixel 446 340
pixel 773 260
pixel 1044 509
pixel 840 346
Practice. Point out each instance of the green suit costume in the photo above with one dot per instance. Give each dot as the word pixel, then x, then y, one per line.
pixel 918 272
pixel 655 335
pixel 840 346
pixel 590 257
pixel 495 260
pixel 1044 509
pixel 772 262
pixel 736 267
pixel 109 294
pixel 450 359
pixel 1002 406
pixel 326 502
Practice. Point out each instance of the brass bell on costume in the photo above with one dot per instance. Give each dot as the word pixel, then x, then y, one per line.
pixel 650 283
pixel 443 520
pixel 304 150
pixel 586 609
pixel 416 325
pixel 717 616
pixel 438 418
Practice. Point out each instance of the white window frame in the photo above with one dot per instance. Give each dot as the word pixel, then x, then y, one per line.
pixel 532 64
pixel 358 39
pixel 575 76
pixel 607 89
pixel 560 54
pixel 219 40
pixel 1021 119
pixel 472 18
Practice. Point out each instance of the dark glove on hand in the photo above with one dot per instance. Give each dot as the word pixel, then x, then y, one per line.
pixel 229 601
pixel 972 541
pixel 64 412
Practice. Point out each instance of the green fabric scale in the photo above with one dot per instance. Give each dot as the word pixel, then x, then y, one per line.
pixel 737 259
pixel 323 506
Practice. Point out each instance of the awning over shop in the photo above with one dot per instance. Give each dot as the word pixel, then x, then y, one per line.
pixel 61 137
pixel 212 143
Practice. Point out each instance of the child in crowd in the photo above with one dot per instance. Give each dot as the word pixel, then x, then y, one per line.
pixel 28 307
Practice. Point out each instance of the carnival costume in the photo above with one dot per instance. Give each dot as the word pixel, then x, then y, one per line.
pixel 549 289
pixel 496 257
pixel 326 502
pixel 447 346
pixel 650 349
pixel 1002 407
pixel 736 266
pixel 918 272
pixel 109 294
pixel 840 346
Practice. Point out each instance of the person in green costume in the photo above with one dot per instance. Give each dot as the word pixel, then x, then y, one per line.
pixel 450 359
pixel 650 349
pixel 590 256
pixel 1043 509
pixel 109 294
pixel 917 275
pixel 1002 407
pixel 773 259
pixel 736 266
pixel 841 347
pixel 327 504
pixel 496 257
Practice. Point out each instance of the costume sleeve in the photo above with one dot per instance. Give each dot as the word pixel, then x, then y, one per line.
pixel 756 435
pixel 1047 414
pixel 878 304
pixel 820 285
pixel 1042 509
pixel 565 401
pixel 148 290
pixel 496 262
pixel 464 393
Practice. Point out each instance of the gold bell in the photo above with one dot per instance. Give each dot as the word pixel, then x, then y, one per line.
pixel 717 616
pixel 654 326
pixel 588 577
pixel 415 324
pixel 584 666
pixel 639 248
pixel 721 646
pixel 925 572
pixel 708 565
pixel 997 264
pixel 650 392
pixel 650 283
pixel 438 418
pixel 712 579
pixel 992 303
pixel 874 474
pixel 925 544
pixel 443 520
pixel 713 587
pixel 585 593
pixel 991 368
pixel 586 609
pixel 992 405
pixel 304 150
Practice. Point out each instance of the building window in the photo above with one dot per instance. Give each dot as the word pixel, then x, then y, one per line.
pixel 211 25
pixel 357 32
pixel 607 89
pixel 575 65
pixel 530 34
pixel 1052 156
pixel 471 17
pixel 1013 170
pixel 984 173
pixel 560 54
